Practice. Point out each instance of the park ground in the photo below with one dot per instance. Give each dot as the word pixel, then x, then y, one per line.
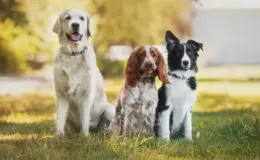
pixel 226 122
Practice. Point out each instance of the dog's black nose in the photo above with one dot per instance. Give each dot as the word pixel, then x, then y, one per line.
pixel 148 65
pixel 75 26
pixel 185 63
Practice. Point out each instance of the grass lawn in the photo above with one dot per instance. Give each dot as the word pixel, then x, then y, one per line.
pixel 227 127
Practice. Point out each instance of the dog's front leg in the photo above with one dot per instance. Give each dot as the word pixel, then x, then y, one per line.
pixel 86 105
pixel 164 124
pixel 188 126
pixel 62 112
pixel 150 113
pixel 123 121
pixel 85 119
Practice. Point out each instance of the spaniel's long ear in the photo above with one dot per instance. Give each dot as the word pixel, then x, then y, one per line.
pixel 132 70
pixel 89 26
pixel 57 26
pixel 161 68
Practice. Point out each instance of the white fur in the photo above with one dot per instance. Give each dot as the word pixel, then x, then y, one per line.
pixel 138 106
pixel 185 58
pixel 148 58
pixel 180 99
pixel 78 81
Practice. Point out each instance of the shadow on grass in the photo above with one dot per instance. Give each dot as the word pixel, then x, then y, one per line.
pixel 78 147
pixel 25 128
pixel 29 103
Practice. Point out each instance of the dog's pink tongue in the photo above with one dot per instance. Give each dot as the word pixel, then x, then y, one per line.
pixel 75 37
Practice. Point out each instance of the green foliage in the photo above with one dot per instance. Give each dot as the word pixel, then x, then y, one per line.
pixel 27 26
pixel 110 68
pixel 17 41
pixel 14 44
pixel 134 22
pixel 14 10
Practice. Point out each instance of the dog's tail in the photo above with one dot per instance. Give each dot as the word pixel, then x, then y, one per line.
pixel 73 123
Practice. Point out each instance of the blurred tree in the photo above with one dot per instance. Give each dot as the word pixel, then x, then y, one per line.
pixel 27 25
pixel 27 35
pixel 12 19
pixel 134 22
pixel 12 58
pixel 40 15
pixel 14 10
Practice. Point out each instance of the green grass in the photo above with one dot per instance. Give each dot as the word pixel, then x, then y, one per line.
pixel 228 126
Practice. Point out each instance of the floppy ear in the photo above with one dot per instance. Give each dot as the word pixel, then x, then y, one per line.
pixel 57 26
pixel 89 26
pixel 161 68
pixel 195 45
pixel 132 71
pixel 171 39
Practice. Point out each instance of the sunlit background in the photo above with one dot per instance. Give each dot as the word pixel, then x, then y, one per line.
pixel 229 65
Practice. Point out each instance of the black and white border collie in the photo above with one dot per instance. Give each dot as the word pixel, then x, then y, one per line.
pixel 173 112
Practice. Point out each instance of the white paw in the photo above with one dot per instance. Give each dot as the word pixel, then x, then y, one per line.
pixel 198 135
pixel 85 133
pixel 165 138
pixel 112 128
pixel 58 134
pixel 190 139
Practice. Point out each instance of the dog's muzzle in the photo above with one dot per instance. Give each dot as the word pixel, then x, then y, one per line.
pixel 185 65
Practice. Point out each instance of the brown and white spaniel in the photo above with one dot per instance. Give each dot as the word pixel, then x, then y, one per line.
pixel 138 98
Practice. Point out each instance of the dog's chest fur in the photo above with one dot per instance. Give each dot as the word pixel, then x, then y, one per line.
pixel 141 102
pixel 176 98
pixel 74 75
pixel 180 91
pixel 140 93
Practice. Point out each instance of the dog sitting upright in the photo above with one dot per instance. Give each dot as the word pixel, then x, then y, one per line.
pixel 173 112
pixel 79 86
pixel 138 99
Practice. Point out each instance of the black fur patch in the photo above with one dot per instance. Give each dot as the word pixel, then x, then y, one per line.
pixel 192 83
pixel 161 106
pixel 171 121
pixel 156 127
pixel 162 98
pixel 175 55
pixel 180 133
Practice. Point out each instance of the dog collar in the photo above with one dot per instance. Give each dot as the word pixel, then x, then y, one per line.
pixel 79 53
pixel 148 79
pixel 176 76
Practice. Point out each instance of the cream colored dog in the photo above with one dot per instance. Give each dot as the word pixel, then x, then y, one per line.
pixel 81 100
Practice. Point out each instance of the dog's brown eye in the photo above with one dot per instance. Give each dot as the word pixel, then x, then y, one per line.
pixel 68 18
pixel 153 54
pixel 82 18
